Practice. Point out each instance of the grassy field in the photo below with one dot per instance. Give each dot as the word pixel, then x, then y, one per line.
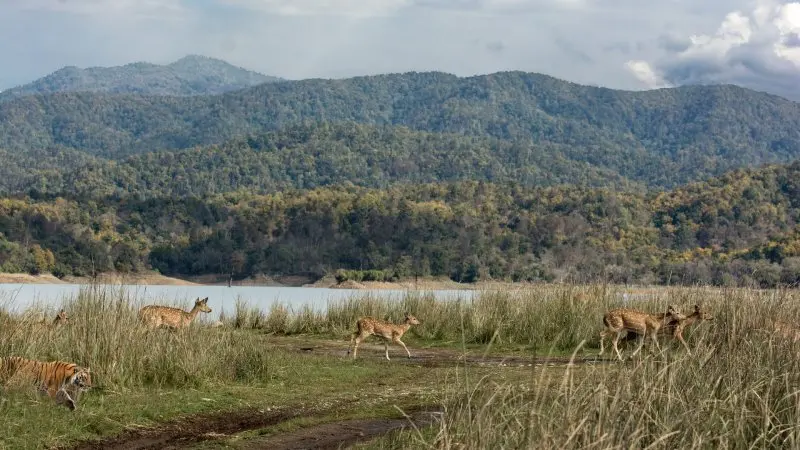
pixel 267 377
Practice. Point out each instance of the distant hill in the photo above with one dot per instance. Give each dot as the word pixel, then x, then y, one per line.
pixel 662 138
pixel 301 157
pixel 191 75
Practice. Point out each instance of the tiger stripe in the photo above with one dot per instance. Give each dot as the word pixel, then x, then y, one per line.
pixel 63 381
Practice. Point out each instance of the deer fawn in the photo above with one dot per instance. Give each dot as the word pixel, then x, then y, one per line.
pixel 675 328
pixel 174 318
pixel 61 318
pixel 387 331
pixel 787 330
pixel 624 319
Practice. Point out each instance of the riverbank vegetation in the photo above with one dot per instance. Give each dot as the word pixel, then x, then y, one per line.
pixel 736 230
pixel 735 388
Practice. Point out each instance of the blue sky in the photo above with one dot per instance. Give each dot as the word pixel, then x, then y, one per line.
pixel 627 44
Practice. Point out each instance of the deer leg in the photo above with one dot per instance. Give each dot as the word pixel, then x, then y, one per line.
pixel 679 335
pixel 386 347
pixel 641 344
pixel 654 337
pixel 615 344
pixel 352 339
pixel 602 341
pixel 404 346
pixel 355 346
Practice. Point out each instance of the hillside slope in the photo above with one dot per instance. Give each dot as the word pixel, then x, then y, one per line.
pixel 741 228
pixel 662 138
pixel 301 157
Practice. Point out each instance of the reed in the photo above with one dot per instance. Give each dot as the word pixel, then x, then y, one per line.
pixel 740 388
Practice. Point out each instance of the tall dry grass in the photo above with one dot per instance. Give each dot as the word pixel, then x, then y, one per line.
pixel 739 389
pixel 104 334
pixel 545 317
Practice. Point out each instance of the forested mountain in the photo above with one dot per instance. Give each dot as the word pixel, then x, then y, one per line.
pixel 662 138
pixel 191 75
pixel 302 156
pixel 741 228
pixel 511 175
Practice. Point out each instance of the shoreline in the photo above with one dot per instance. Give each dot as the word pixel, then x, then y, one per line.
pixel 156 279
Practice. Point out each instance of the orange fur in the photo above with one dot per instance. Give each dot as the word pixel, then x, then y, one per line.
pixel 63 382
pixel 368 326
pixel 622 320
pixel 175 318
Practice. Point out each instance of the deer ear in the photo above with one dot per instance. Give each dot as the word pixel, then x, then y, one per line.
pixel 697 308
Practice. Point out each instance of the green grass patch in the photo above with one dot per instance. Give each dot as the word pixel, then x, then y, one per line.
pixel 738 388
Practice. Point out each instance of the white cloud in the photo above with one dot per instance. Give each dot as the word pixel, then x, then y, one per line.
pixel 788 23
pixel 645 73
pixel 759 49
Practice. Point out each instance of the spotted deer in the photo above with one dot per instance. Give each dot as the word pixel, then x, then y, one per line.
pixel 621 320
pixel 675 328
pixel 156 316
pixel 61 318
pixel 368 326
pixel 787 330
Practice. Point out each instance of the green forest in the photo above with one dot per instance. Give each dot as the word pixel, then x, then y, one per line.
pixel 510 176
pixel 662 138
pixel 740 228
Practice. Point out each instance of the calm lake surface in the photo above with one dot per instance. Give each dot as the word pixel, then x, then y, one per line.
pixel 17 297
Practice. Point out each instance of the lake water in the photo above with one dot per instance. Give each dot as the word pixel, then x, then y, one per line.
pixel 17 297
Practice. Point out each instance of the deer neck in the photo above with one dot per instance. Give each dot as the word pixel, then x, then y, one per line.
pixel 191 314
pixel 692 318
pixel 405 326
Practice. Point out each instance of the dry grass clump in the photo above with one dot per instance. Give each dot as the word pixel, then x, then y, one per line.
pixel 104 334
pixel 740 389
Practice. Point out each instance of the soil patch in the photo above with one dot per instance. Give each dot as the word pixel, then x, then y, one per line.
pixel 182 432
pixel 432 357
pixel 24 278
pixel 348 284
pixel 340 434
pixel 187 431
pixel 142 278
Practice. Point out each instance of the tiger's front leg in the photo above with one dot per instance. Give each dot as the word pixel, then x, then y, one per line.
pixel 62 397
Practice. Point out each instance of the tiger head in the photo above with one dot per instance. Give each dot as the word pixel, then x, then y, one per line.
pixel 82 378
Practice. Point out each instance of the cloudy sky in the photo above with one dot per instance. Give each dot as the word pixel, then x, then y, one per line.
pixel 628 44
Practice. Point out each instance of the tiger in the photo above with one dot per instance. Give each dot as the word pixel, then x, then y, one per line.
pixel 62 381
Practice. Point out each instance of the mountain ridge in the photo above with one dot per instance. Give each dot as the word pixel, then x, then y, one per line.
pixel 662 138
pixel 189 75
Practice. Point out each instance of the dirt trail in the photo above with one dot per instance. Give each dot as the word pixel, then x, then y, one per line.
pixel 185 432
pixel 432 357
pixel 340 434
